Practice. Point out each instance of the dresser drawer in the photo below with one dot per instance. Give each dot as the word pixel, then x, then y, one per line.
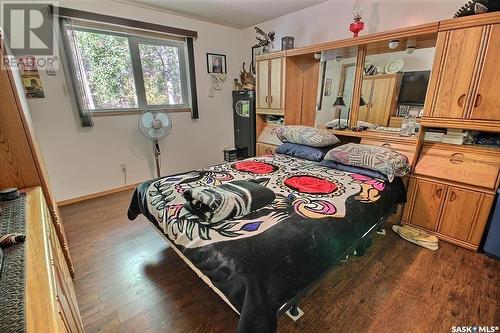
pixel 265 149
pixel 462 164
pixel 405 149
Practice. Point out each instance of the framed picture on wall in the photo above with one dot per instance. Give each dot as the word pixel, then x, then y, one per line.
pixel 328 87
pixel 256 50
pixel 216 63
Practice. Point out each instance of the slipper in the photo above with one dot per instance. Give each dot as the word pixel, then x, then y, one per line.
pixel 431 245
pixel 418 234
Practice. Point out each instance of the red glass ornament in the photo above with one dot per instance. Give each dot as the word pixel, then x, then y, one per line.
pixel 356 26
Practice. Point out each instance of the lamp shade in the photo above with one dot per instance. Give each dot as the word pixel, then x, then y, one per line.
pixel 339 101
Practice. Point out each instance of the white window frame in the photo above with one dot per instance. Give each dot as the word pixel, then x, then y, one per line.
pixel 140 89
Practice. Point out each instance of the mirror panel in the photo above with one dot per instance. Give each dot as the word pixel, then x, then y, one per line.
pixel 394 83
pixel 335 87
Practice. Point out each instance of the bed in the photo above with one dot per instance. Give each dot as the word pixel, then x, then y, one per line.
pixel 263 263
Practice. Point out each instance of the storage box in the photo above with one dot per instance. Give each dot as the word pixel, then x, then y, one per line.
pixel 230 154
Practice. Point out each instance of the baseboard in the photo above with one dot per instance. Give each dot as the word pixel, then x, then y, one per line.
pixel 95 195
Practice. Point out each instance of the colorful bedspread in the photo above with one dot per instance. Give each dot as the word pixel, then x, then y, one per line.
pixel 262 260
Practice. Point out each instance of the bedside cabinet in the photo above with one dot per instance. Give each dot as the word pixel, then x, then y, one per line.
pixel 451 192
pixel 265 149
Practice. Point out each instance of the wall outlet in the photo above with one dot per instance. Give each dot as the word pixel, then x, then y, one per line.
pixel 123 166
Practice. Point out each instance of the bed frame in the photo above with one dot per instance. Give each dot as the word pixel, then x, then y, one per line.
pixel 357 248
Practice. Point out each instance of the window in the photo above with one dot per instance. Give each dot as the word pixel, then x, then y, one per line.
pixel 117 71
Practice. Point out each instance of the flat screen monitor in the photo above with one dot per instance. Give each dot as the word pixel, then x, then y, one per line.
pixel 414 87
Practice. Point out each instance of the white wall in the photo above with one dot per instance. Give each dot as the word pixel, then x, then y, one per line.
pixel 81 161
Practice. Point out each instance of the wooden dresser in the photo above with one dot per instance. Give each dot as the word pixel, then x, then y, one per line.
pixel 51 304
pixel 452 190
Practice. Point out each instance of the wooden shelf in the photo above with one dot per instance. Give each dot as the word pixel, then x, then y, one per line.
pixel 376 135
pixel 465 124
pixel 271 112
pixel 464 147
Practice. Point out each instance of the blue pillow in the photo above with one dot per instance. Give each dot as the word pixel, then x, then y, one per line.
pixel 301 151
pixel 354 169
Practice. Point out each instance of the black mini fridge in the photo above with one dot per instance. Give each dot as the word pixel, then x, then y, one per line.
pixel 244 122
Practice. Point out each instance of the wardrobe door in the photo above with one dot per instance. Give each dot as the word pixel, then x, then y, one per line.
pixel 276 84
pixel 262 88
pixel 459 213
pixel 381 101
pixel 455 69
pixel 485 101
pixel 425 201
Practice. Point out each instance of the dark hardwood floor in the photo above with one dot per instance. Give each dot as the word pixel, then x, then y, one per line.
pixel 128 280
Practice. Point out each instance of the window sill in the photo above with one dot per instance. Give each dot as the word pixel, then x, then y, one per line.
pixel 131 112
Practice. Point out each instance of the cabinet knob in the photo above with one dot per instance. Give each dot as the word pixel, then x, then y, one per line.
pixel 461 100
pixel 271 99
pixel 478 100
pixel 439 191
pixel 386 145
pixel 453 196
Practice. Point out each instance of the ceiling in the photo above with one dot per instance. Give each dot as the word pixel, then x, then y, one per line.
pixel 233 13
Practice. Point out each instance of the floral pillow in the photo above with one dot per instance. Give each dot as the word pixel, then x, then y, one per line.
pixel 308 136
pixel 386 161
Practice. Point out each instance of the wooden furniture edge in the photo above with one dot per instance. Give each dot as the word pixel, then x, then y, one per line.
pixel 96 195
pixel 423 29
pixel 273 112
pixel 469 124
pixel 381 76
pixel 376 136
pixel 469 21
pixel 272 55
pixel 452 183
pixel 463 148
pixel 358 86
pixel 38 306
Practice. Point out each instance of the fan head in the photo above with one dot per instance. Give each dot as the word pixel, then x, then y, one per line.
pixel 155 124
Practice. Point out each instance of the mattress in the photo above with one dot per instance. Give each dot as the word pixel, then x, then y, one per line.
pixel 259 262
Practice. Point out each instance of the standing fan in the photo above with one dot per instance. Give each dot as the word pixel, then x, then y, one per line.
pixel 155 125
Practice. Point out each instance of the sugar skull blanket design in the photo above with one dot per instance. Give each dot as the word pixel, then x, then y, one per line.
pixel 263 259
